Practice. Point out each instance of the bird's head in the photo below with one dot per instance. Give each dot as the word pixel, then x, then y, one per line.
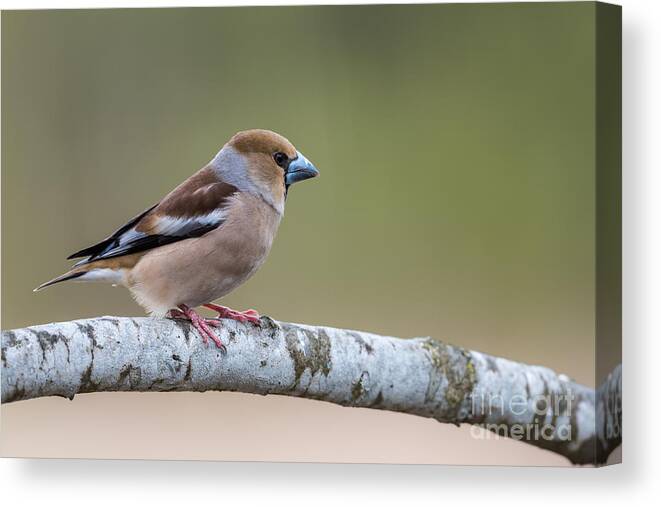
pixel 266 161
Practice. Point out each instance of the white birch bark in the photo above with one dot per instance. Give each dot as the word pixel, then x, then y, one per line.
pixel 420 376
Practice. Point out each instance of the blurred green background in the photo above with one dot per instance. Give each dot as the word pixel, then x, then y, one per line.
pixel 455 144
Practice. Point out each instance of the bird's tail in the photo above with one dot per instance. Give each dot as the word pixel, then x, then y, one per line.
pixel 94 271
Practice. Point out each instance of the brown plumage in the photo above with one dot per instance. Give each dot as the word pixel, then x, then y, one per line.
pixel 198 195
pixel 206 237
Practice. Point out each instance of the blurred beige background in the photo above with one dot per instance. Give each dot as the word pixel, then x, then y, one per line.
pixel 456 200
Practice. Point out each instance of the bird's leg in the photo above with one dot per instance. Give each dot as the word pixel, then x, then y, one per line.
pixel 176 314
pixel 204 326
pixel 228 313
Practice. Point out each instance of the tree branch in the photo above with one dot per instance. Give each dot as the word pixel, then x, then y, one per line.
pixel 418 376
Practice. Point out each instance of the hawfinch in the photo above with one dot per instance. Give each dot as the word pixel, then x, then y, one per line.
pixel 206 237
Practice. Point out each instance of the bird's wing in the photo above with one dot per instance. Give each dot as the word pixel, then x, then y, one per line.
pixel 196 207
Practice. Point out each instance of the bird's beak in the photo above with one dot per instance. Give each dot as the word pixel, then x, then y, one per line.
pixel 300 169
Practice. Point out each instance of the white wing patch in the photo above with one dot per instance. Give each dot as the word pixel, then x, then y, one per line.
pixel 181 226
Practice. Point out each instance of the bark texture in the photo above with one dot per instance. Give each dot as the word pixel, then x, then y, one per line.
pixel 420 376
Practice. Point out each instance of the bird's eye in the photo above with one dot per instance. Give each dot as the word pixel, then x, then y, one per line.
pixel 280 159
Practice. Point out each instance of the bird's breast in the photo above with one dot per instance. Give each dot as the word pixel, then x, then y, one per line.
pixel 199 270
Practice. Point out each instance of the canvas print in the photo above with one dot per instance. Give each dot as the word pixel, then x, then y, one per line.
pixel 361 234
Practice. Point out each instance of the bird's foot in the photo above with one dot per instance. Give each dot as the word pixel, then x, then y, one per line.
pixel 228 313
pixel 203 326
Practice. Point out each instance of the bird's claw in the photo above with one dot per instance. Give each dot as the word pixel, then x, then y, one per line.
pixel 227 313
pixel 203 326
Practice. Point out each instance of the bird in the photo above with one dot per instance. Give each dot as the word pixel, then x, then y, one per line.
pixel 203 239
